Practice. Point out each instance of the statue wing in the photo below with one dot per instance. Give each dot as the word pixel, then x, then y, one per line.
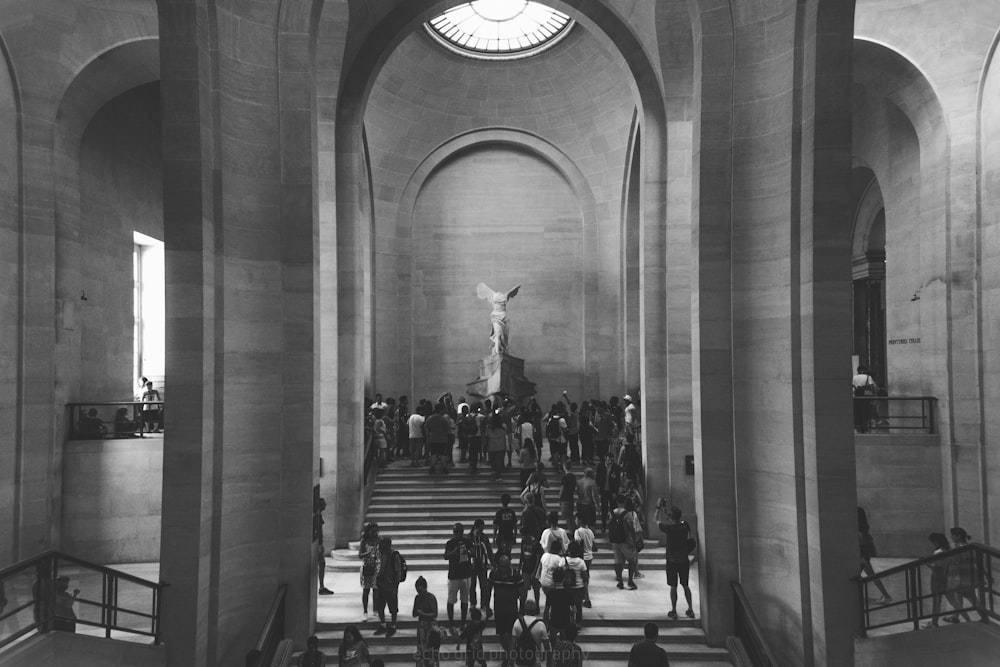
pixel 484 292
pixel 511 294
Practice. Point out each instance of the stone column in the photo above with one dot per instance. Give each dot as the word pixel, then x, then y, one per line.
pixel 795 486
pixel 238 448
pixel 712 322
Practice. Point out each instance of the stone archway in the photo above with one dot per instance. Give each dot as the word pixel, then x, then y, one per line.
pixel 369 44
pixel 548 156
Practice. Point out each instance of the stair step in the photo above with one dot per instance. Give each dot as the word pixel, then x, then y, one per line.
pixel 594 626
pixel 611 651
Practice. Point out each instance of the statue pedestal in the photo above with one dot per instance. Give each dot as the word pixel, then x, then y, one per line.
pixel 501 374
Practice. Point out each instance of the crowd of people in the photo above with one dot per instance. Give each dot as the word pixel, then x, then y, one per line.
pixel 499 577
pixel 494 431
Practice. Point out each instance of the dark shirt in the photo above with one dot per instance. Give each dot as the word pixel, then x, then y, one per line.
pixel 677 537
pixel 530 553
pixel 614 478
pixel 312 658
pixel 437 428
pixel 458 552
pixel 506 592
pixel 506 522
pixel 647 654
pixel 533 520
pixel 568 487
pixel 482 553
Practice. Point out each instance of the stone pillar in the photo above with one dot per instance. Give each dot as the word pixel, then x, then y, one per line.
pixel 238 448
pixel 790 278
pixel 10 309
pixel 712 323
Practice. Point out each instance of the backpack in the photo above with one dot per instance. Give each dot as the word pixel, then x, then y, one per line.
pixel 401 562
pixel 526 649
pixel 552 429
pixel 569 579
pixel 480 556
pixel 618 529
pixel 559 574
pixel 867 389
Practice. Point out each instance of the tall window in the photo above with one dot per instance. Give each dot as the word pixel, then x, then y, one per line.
pixel 149 353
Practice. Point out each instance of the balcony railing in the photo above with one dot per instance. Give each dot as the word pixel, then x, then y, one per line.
pixel 111 419
pixel 897 414
pixel 961 580
pixel 53 591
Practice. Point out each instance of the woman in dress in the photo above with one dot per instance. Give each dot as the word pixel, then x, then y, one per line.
pixel 380 437
pixel 370 555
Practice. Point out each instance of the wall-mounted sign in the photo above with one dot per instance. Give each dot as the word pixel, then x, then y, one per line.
pixel 903 341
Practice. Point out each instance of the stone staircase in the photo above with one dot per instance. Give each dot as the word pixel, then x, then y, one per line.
pixel 417 510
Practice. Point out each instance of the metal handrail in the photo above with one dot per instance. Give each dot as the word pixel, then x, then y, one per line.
pixel 273 631
pixel 749 632
pixel 44 595
pixel 107 428
pixel 910 610
pixel 882 421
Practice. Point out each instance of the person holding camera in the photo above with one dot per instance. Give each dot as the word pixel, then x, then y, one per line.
pixel 680 543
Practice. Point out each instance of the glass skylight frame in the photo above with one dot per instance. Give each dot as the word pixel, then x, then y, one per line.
pixel 528 31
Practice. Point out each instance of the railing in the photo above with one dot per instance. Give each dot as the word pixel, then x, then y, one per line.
pixel 749 632
pixel 964 580
pixel 370 453
pixel 111 419
pixel 897 414
pixel 272 634
pixel 53 591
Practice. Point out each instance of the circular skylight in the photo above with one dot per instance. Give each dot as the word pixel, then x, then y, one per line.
pixel 499 29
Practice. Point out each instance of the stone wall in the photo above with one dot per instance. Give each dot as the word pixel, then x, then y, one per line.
pixel 11 326
pixel 112 499
pixel 121 187
pixel 61 649
pixel 575 99
pixel 503 217
pixel 927 124
pixel 990 262
pixel 899 485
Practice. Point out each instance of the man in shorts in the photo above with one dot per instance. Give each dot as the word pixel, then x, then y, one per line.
pixel 678 533
pixel 458 553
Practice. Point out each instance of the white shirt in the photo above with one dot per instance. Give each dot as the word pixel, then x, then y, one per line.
pixel 558 532
pixel 630 414
pixel 415 424
pixel 527 431
pixel 585 536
